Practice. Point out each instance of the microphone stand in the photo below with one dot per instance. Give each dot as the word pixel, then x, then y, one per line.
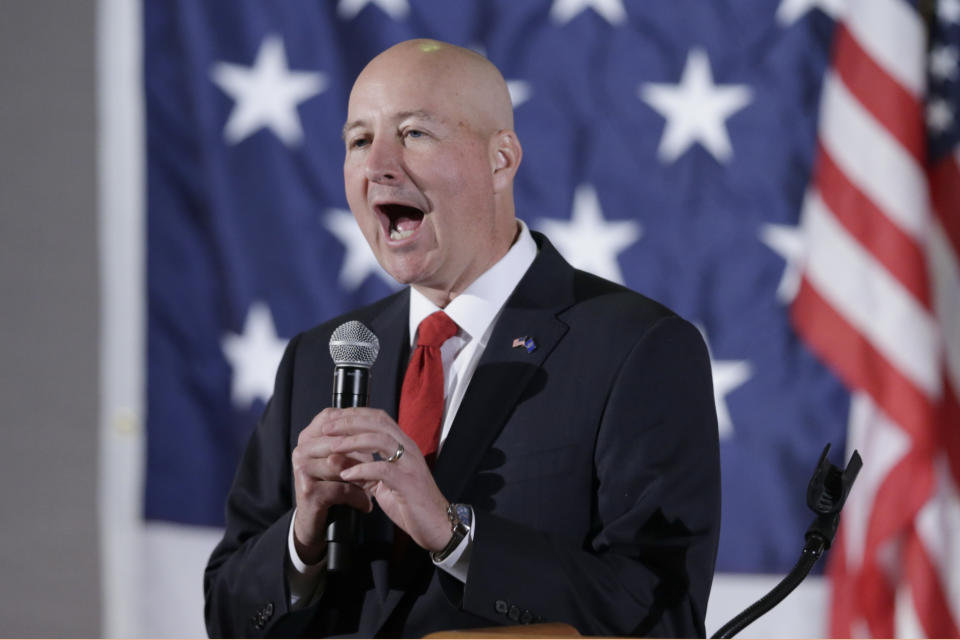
pixel 826 494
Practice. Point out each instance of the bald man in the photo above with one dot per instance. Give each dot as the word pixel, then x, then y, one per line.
pixel 577 477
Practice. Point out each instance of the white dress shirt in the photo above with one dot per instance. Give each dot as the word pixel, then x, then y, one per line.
pixel 475 311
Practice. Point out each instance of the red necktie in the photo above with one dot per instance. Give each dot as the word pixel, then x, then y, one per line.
pixel 421 398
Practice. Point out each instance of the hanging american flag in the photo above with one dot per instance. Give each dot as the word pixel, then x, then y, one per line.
pixel 880 302
pixel 667 146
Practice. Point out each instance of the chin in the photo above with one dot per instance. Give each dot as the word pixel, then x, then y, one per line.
pixel 401 274
pixel 407 269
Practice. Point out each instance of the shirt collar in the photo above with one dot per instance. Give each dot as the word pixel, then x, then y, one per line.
pixel 477 307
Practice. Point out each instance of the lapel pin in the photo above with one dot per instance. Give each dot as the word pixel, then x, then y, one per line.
pixel 525 342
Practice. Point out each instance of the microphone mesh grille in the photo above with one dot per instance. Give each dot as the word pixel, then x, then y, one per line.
pixel 353 344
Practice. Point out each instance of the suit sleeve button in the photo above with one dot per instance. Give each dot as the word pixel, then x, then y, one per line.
pixel 514 613
pixel 526 617
pixel 500 606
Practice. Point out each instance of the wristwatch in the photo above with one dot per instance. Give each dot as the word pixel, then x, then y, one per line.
pixel 461 518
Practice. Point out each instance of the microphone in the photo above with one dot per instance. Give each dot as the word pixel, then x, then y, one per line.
pixel 354 349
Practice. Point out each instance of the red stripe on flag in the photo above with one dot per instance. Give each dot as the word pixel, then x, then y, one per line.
pixel 844 604
pixel 949 427
pixel 932 608
pixel 876 598
pixel 887 242
pixel 859 364
pixel 894 107
pixel 841 598
pixel 898 500
pixel 945 194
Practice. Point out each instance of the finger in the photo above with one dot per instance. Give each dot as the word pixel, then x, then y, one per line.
pixel 373 472
pixel 318 424
pixel 360 420
pixel 329 468
pixel 380 446
pixel 320 448
pixel 329 493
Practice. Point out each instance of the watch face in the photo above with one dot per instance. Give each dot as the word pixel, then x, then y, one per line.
pixel 464 513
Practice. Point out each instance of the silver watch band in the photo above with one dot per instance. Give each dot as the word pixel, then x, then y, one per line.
pixel 461 519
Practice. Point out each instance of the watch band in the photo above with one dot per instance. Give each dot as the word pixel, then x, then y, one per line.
pixel 461 519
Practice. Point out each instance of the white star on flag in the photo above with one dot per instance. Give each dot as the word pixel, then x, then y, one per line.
pixel 563 11
pixel 939 115
pixel 696 109
pixel 519 91
pixel 949 10
pixel 588 241
pixel 396 9
pixel 266 94
pixel 943 63
pixel 727 376
pixel 787 242
pixel 254 356
pixel 358 259
pixel 790 11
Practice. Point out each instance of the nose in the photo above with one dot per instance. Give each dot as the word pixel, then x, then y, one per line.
pixel 384 164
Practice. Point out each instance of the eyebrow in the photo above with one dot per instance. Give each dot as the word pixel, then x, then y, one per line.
pixel 403 115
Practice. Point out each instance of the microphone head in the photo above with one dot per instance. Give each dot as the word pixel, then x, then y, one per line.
pixel 353 344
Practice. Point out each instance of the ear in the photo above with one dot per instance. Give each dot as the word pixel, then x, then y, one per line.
pixel 505 155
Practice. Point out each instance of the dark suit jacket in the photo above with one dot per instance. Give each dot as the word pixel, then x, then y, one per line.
pixel 591 463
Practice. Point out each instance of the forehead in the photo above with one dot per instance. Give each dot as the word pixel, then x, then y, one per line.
pixel 392 99
pixel 406 89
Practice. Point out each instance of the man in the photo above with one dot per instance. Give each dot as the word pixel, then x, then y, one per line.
pixel 577 477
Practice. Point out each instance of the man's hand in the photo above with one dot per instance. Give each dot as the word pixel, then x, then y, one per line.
pixel 316 476
pixel 404 489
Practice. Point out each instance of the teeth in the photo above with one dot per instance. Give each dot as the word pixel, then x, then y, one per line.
pixel 397 234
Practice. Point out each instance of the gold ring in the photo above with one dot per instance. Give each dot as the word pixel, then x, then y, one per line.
pixel 396 454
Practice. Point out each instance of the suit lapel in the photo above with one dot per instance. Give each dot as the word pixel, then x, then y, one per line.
pixel 502 375
pixel 505 372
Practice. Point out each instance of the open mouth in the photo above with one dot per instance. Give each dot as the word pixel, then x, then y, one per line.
pixel 402 220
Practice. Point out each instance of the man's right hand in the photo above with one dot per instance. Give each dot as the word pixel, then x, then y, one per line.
pixel 316 475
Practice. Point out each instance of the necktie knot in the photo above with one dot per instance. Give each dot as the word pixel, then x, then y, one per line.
pixel 436 329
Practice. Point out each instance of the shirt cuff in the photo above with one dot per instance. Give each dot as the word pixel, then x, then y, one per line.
pixel 305 581
pixel 457 564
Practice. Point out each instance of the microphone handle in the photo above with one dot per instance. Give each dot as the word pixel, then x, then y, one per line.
pixel 350 389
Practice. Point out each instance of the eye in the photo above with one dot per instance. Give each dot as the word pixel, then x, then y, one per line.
pixel 413 133
pixel 357 143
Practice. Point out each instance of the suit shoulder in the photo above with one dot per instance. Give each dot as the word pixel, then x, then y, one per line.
pixel 615 304
pixel 320 334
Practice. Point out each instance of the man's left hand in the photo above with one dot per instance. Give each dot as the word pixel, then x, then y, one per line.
pixel 405 488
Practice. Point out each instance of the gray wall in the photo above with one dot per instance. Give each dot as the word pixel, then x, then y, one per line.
pixel 49 561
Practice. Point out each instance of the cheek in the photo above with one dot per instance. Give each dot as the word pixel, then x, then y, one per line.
pixel 465 176
pixel 354 188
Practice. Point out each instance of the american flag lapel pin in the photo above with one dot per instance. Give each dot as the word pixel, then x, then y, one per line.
pixel 525 342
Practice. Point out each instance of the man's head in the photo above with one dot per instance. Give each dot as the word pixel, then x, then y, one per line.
pixel 429 166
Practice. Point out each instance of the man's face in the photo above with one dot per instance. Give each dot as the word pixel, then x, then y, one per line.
pixel 418 176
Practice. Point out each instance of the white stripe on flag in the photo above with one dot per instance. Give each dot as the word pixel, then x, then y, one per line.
pixel 172 579
pixel 733 592
pixel 894 35
pixel 881 445
pixel 945 267
pixel 937 524
pixel 873 159
pixel 852 281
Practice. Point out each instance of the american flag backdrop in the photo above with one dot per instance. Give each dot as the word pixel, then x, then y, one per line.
pixel 783 173
pixel 879 301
